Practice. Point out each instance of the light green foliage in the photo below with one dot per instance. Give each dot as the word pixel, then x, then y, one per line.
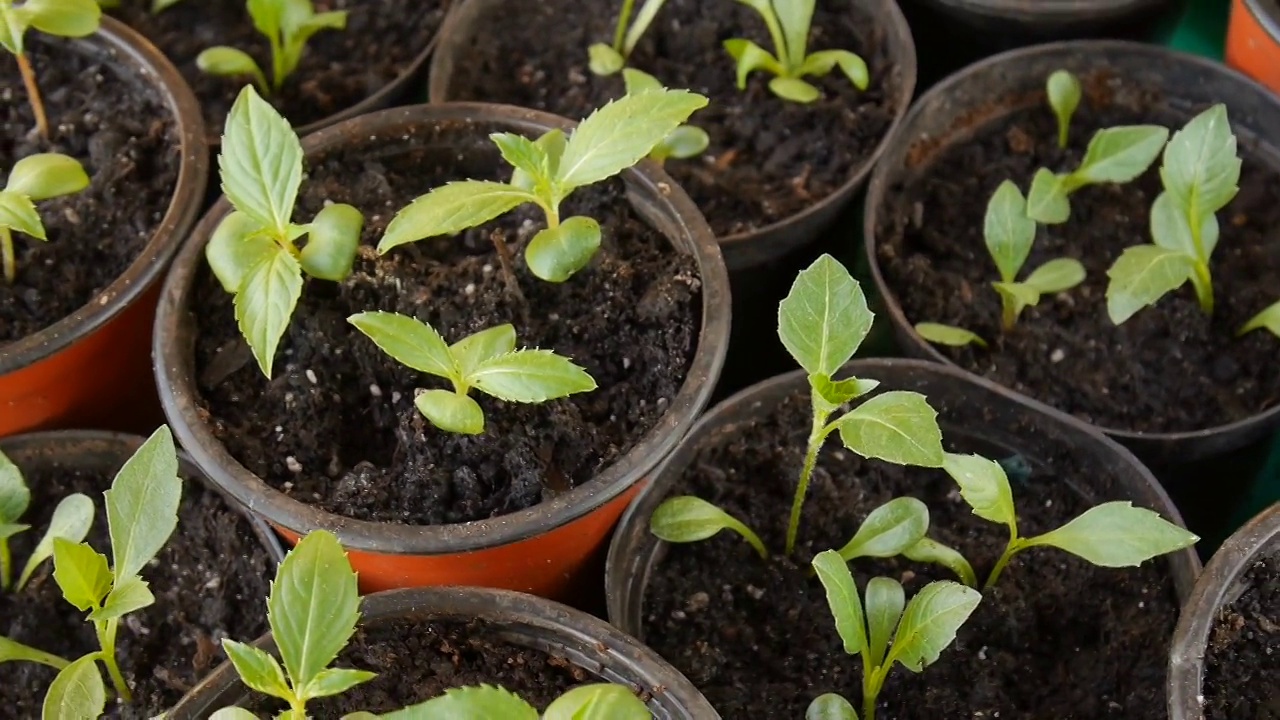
pixel 71 521
pixel 830 706
pixel 64 18
pixel 548 170
pixel 287 25
pixel 254 251
pixel 32 179
pixel 900 527
pixel 1114 155
pixel 14 499
pixel 890 630
pixel 1063 90
pixel 685 519
pixel 788 23
pixel 609 59
pixel 486 361
pixel 1269 319
pixel 685 141
pixel 76 693
pixel 940 334
pixel 1200 173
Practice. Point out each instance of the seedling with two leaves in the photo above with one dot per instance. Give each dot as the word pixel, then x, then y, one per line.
pixel 685 141
pixel 288 25
pixel 33 178
pixel 254 250
pixel 62 18
pixel 821 322
pixel 486 361
pixel 788 22
pixel 609 59
pixel 547 171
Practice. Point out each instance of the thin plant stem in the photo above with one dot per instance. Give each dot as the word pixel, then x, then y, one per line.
pixel 1203 284
pixel 816 435
pixel 1009 551
pixel 6 253
pixel 1009 318
pixel 5 561
pixel 620 35
pixel 107 641
pixel 507 263
pixel 33 95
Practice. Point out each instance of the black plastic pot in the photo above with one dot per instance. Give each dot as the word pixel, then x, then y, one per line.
pixel 1221 583
pixel 517 618
pixel 543 549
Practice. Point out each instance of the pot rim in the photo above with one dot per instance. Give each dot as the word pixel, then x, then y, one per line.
pixel 1268 16
pixel 1049 10
pixel 173 350
pixel 140 58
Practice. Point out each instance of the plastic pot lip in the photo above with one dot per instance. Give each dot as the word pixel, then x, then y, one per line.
pixel 144 60
pixel 546 619
pixel 788 233
pixel 878 189
pixel 1049 11
pixel 617 590
pixel 123 445
pixel 173 351
pixel 1267 15
pixel 1259 537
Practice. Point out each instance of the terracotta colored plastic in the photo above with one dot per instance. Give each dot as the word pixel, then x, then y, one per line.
pixel 1253 40
pixel 515 618
pixel 540 549
pixel 1219 585
pixel 92 367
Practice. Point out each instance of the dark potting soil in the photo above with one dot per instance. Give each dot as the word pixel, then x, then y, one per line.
pixel 1056 638
pixel 336 426
pixel 339 68
pixel 121 131
pixel 1242 665
pixel 210 582
pixel 768 158
pixel 1168 368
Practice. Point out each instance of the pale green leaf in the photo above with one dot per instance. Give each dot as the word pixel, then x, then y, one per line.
pixel 478 347
pixel 898 427
pixel 853 66
pixel 1016 295
pixel 1064 97
pixel 1056 276
pixel 1269 318
pixel 335 681
pixel 931 551
pixel 450 411
pixel 984 486
pixel 9 530
pixel 267 15
pixel 522 153
pixel 450 209
pixel 795 16
pixel 949 335
pixel 13 25
pixel 830 706
pixel 604 60
pixel 551 144
pixel 1007 230
pixel 14 495
pixel 314 605
pixel 648 11
pixel 684 142
pixel 686 519
pixel 555 254
pixel 298 32
pixel 889 529
pixel 1201 168
pixel 333 238
pixel 142 504
pixel 597 701
pixel 77 692
pixel 1142 275
pixel 751 57
pixel 885 599
pixel 1047 200
pixel 638 81
pixel 839 392
pixel 231 62
pixel 261 162
pixel 1117 534
pixel 64 18
pixel 1171 228
pixel 71 521
pixel 1120 154
pixel 11 651
pixel 410 341
pixel 930 622
pixel 268 295
pixel 530 376
pixel 82 574
pixel 236 246
pixel 257 669
pixel 824 318
pixel 842 598
pixel 47 175
pixel 235 713
pixel 17 212
pixel 130 596
pixel 479 702
pixel 794 89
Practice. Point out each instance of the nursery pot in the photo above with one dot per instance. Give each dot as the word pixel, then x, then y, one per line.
pixel 91 367
pixel 516 618
pixel 542 549
pixel 1253 40
pixel 1221 584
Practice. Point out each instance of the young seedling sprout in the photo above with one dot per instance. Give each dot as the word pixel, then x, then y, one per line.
pixel 254 251
pixel 486 361
pixel 547 171
pixel 288 25
pixel 71 521
pixel 1200 173
pixel 609 59
pixel 1269 319
pixel 885 632
pixel 821 322
pixel 33 178
pixel 685 141
pixel 63 18
pixel 788 22
pixel 1064 97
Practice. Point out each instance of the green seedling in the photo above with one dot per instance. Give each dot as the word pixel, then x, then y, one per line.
pixel 1200 173
pixel 62 18
pixel 33 178
pixel 1114 155
pixel 609 59
pixel 821 322
pixel 950 335
pixel 547 171
pixel 1063 90
pixel 1269 319
pixel 288 25
pixel 901 527
pixel 788 22
pixel 71 521
pixel 254 250
pixel 888 630
pixel 685 141
pixel 486 361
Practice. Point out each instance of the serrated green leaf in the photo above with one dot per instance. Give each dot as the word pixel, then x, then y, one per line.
pixel 621 133
pixel 71 521
pixel 335 681
pixel 794 89
pixel 839 392
pixel 1064 97
pixel 237 244
pixel 1117 534
pixel 450 209
pixel 1007 230
pixel 17 212
pixel 1269 318
pixel 854 67
pixel 142 504
pixel 885 600
pixel 930 622
pixel 1056 276
pixel 751 57
pixel 479 702
pixel 1142 275
pixel 11 651
pixel 888 530
pixel 257 669
pixel 450 411
pixel 1047 199
pixel 478 347
pixel 82 573
pixel 984 486
pixel 235 713
pixel 130 596
pixel 830 706
pixel 14 495
pixel 1018 296
pixel 530 376
pixel 555 254
pixel 686 519
pixel 314 606
pixel 604 60
pixel 268 295
pixel 1120 154
pixel 333 238
pixel 261 162
pixel 597 701
pixel 842 598
pixel 824 318
pixel 410 341
pixel 898 427
pixel 77 692
pixel 931 551
pixel 794 16
pixel 949 335
pixel 64 18
pixel 47 175
pixel 1201 168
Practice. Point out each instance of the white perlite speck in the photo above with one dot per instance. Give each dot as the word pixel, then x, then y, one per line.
pixel 292 463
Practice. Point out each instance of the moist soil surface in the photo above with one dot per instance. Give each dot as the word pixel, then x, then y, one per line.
pixel 1242 665
pixel 120 130
pixel 337 427
pixel 1169 368
pixel 339 68
pixel 1056 637
pixel 768 159
pixel 210 581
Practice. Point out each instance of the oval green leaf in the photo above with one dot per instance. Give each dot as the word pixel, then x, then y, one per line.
pixel 1120 154
pixel 450 411
pixel 142 504
pixel 47 175
pixel 842 598
pixel 71 521
pixel 1117 534
pixel 480 702
pixel 1201 167
pixel 898 427
pixel 931 551
pixel 889 529
pixel 684 142
pixel 555 254
pixel 984 486
pixel 332 240
pixel 1047 200
pixel 604 60
pixel 1056 276
pixel 686 519
pixel 1007 230
pixel 597 701
pixel 638 81
pixel 930 623
pixel 830 706
pixel 77 692
pixel 335 681
pixel 235 713
pixel 1141 276
pixel 885 599
pixel 231 62
pixel 949 335
pixel 749 58
pixel 14 495
pixel 64 18
pixel 794 89
pixel 824 318
pixel 1064 97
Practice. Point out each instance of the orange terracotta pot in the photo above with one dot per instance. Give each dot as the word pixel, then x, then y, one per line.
pixel 92 368
pixel 547 549
pixel 1253 41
